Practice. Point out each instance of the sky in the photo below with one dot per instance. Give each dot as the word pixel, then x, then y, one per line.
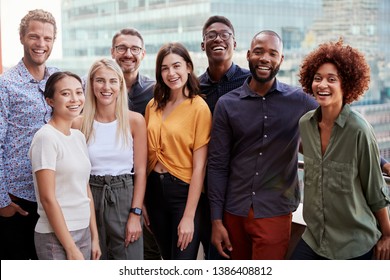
pixel 12 11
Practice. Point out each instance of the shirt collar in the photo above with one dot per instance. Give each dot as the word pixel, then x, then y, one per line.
pixel 26 75
pixel 276 86
pixel 341 119
pixel 228 75
pixel 140 81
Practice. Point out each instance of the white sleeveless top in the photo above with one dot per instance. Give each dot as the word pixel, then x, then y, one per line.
pixel 109 156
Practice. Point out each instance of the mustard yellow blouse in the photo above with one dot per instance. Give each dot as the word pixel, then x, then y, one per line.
pixel 173 141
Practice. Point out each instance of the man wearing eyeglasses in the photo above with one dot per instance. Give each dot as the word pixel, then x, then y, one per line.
pixel 128 50
pixel 221 76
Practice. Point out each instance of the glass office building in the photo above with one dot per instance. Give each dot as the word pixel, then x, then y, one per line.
pixel 88 27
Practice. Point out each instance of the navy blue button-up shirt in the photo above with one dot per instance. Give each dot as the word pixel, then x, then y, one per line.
pixel 253 151
pixel 232 79
pixel 140 94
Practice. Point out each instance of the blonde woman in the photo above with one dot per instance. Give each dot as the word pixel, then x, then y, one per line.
pixel 116 139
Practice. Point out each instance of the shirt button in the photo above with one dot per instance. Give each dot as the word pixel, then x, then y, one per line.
pixel 257 173
pixel 265 117
pixel 260 154
pixel 265 136
pixel 263 98
pixel 253 193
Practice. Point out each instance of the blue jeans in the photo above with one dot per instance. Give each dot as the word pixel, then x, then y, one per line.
pixel 165 199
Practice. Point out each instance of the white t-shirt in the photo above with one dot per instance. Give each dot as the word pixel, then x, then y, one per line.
pixel 68 157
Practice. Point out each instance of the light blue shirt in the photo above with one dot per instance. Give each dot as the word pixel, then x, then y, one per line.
pixel 23 110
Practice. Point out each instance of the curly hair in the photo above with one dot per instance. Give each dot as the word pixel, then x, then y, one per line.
pixel 352 68
pixel 38 15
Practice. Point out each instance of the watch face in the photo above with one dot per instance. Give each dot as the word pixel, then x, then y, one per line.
pixel 137 211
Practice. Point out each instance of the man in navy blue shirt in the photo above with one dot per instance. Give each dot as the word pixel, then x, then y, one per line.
pixel 253 155
pixel 221 76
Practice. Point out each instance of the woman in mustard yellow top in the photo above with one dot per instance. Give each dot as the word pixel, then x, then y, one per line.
pixel 178 123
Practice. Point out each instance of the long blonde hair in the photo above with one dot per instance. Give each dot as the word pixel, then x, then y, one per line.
pixel 121 109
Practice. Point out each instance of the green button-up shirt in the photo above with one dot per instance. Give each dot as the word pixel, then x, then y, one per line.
pixel 343 187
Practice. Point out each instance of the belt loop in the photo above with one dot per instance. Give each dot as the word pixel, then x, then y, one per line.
pixel 173 178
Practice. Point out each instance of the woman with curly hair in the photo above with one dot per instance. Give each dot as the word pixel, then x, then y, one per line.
pixel 345 201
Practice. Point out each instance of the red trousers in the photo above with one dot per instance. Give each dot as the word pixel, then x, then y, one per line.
pixel 258 239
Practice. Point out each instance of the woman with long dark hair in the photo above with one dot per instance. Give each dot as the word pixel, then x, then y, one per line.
pixel 178 124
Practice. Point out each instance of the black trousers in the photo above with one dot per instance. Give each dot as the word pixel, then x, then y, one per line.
pixel 210 252
pixel 165 199
pixel 304 252
pixel 17 233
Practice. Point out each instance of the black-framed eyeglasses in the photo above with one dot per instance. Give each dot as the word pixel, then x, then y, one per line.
pixel 212 35
pixel 122 49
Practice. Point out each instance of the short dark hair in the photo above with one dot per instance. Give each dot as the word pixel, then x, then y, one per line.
pixel 214 19
pixel 53 79
pixel 268 32
pixel 128 31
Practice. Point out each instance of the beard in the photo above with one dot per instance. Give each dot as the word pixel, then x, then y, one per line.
pixel 30 59
pixel 126 69
pixel 272 75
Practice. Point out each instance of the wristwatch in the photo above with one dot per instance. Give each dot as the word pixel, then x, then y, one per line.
pixel 136 210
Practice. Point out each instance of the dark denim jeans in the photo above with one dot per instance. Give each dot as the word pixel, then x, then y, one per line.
pixel 210 251
pixel 165 199
pixel 304 252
